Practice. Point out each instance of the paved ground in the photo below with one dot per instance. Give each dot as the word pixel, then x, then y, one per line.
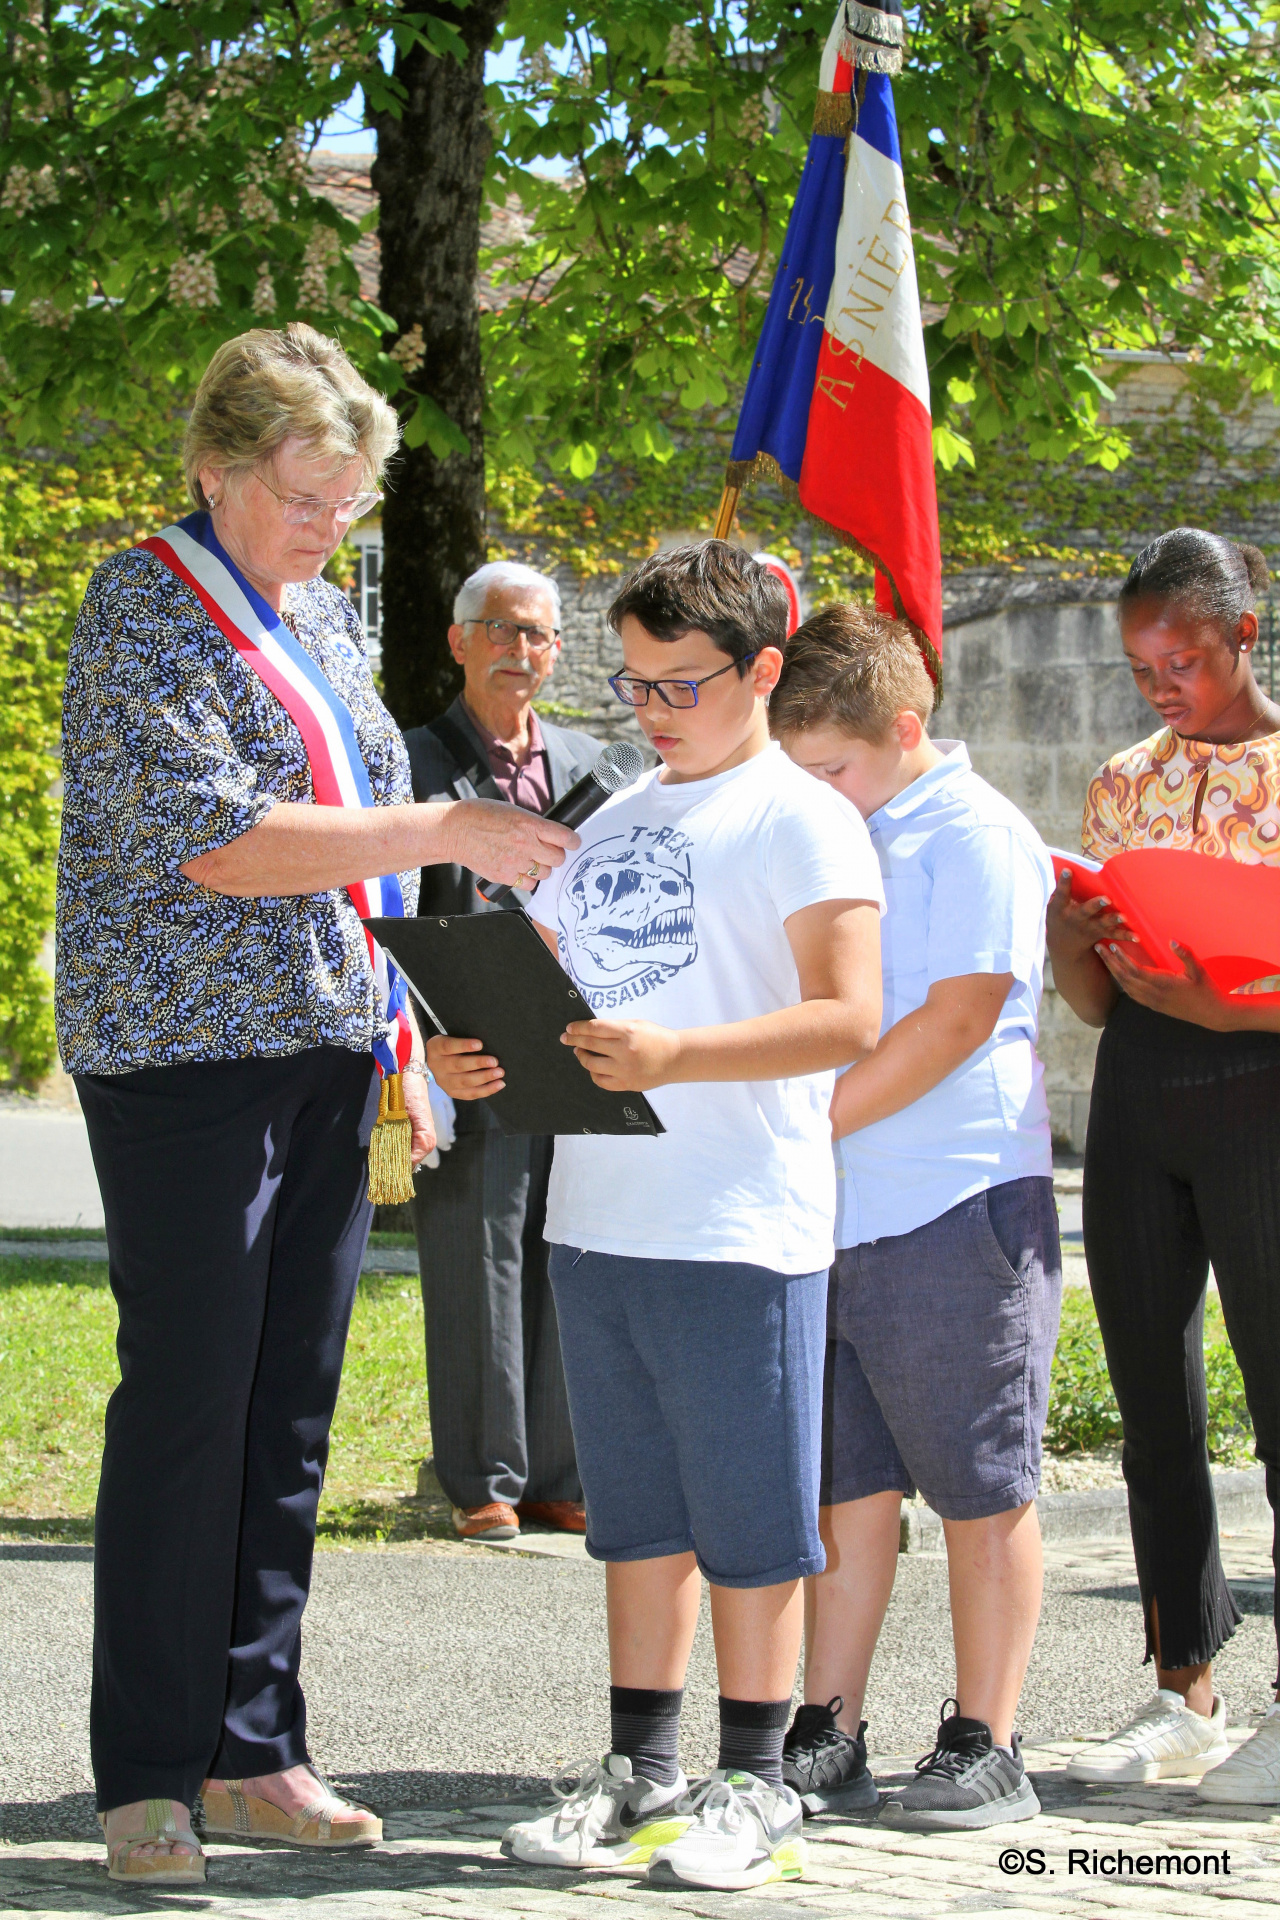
pixel 47 1177
pixel 460 1678
pixel 46 1172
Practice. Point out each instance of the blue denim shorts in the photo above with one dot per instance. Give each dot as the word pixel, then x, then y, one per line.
pixel 939 1347
pixel 695 1391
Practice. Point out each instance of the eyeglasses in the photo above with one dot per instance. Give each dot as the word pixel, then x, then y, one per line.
pixel 299 508
pixel 676 693
pixel 504 634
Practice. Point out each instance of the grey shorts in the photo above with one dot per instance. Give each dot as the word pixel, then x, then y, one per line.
pixel 695 1391
pixel 939 1345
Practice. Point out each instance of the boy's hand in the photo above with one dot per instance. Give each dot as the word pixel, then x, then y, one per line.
pixel 462 1069
pixel 1074 927
pixel 626 1056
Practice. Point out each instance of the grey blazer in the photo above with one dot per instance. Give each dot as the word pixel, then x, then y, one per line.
pixel 438 775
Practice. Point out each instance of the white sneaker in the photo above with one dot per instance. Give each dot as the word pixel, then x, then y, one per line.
pixel 1251 1777
pixel 607 1817
pixel 742 1833
pixel 1163 1741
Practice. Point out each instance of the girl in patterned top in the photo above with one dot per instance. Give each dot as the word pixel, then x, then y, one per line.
pixel 1182 1162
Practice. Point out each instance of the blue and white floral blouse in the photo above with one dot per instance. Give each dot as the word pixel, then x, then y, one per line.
pixel 173 747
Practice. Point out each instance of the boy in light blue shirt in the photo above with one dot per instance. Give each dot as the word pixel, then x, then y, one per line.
pixel 943 1302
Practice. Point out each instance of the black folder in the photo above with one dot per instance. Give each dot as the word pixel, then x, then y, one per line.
pixel 490 977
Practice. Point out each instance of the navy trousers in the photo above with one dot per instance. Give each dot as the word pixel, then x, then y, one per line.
pixel 236 1223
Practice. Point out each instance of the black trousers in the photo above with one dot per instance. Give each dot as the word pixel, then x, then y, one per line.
pixel 1182 1168
pixel 236 1222
pixel 495 1380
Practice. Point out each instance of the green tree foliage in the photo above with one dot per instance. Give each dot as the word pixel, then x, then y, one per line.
pixel 1079 176
pixel 155 197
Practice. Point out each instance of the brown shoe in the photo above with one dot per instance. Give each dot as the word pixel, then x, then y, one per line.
pixel 566 1516
pixel 330 1821
pixel 497 1521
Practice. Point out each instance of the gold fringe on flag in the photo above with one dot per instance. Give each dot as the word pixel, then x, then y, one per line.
pixel 390 1167
pixel 833 114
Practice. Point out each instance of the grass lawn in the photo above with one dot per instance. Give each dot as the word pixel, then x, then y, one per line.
pixel 58 1366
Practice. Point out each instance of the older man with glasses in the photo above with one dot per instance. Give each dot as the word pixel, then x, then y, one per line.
pixel 499 1416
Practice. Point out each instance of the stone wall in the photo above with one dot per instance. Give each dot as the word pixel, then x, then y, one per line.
pixel 589 654
pixel 1042 695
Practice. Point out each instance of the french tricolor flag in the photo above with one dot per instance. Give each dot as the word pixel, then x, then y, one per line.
pixel 837 402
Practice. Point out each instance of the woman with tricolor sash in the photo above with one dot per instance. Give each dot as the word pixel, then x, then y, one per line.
pixel 231 777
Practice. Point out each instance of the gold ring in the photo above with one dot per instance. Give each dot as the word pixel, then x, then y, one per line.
pixel 531 873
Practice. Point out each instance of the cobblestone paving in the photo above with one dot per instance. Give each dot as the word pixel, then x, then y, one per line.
pixel 448 1864
pixel 445 1863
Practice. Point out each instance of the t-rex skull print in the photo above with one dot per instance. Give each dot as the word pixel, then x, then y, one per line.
pixel 627 904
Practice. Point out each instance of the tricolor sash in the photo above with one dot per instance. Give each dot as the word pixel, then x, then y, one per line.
pixel 193 552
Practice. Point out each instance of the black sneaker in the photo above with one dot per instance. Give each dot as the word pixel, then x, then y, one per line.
pixel 825 1766
pixel 965 1782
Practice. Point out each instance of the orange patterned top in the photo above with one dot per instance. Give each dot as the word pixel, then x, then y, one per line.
pixel 1187 794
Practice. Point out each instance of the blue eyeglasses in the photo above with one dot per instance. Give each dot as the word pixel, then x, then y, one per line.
pixel 675 693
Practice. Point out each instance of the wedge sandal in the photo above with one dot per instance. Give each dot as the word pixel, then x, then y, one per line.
pixel 328 1821
pixel 157 1869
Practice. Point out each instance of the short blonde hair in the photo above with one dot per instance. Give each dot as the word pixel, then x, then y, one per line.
pixel 268 386
pixel 852 668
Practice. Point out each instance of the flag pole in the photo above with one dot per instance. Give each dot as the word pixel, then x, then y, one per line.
pixel 724 513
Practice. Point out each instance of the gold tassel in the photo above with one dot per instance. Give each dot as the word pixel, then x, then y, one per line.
pixel 390 1167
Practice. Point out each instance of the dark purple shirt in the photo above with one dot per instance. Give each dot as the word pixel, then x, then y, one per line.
pixel 524 786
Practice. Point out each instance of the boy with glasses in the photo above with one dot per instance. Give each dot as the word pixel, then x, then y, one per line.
pixel 722 920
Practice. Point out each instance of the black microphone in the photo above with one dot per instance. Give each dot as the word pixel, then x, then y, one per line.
pixel 619 766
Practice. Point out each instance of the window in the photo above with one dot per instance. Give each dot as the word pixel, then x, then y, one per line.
pixel 366 587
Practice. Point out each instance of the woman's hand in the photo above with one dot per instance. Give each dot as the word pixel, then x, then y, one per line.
pixel 505 843
pixel 1190 995
pixel 626 1056
pixel 1074 927
pixel 299 848
pixel 462 1067
pixel 417 1102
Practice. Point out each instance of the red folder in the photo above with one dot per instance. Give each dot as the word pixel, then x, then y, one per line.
pixel 1226 911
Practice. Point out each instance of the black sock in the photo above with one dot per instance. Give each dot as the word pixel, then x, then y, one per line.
pixel 646 1728
pixel 751 1736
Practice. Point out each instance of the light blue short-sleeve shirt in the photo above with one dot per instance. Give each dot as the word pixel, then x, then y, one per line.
pixel 967 881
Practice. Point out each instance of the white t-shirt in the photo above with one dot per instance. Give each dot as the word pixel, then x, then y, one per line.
pixel 673 911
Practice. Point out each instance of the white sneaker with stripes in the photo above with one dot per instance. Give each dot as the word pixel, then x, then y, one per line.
pixel 1165 1740
pixel 606 1816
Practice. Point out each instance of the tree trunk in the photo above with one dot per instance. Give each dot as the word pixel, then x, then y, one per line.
pixel 429 176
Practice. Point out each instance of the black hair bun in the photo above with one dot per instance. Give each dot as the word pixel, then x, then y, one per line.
pixel 1256 567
